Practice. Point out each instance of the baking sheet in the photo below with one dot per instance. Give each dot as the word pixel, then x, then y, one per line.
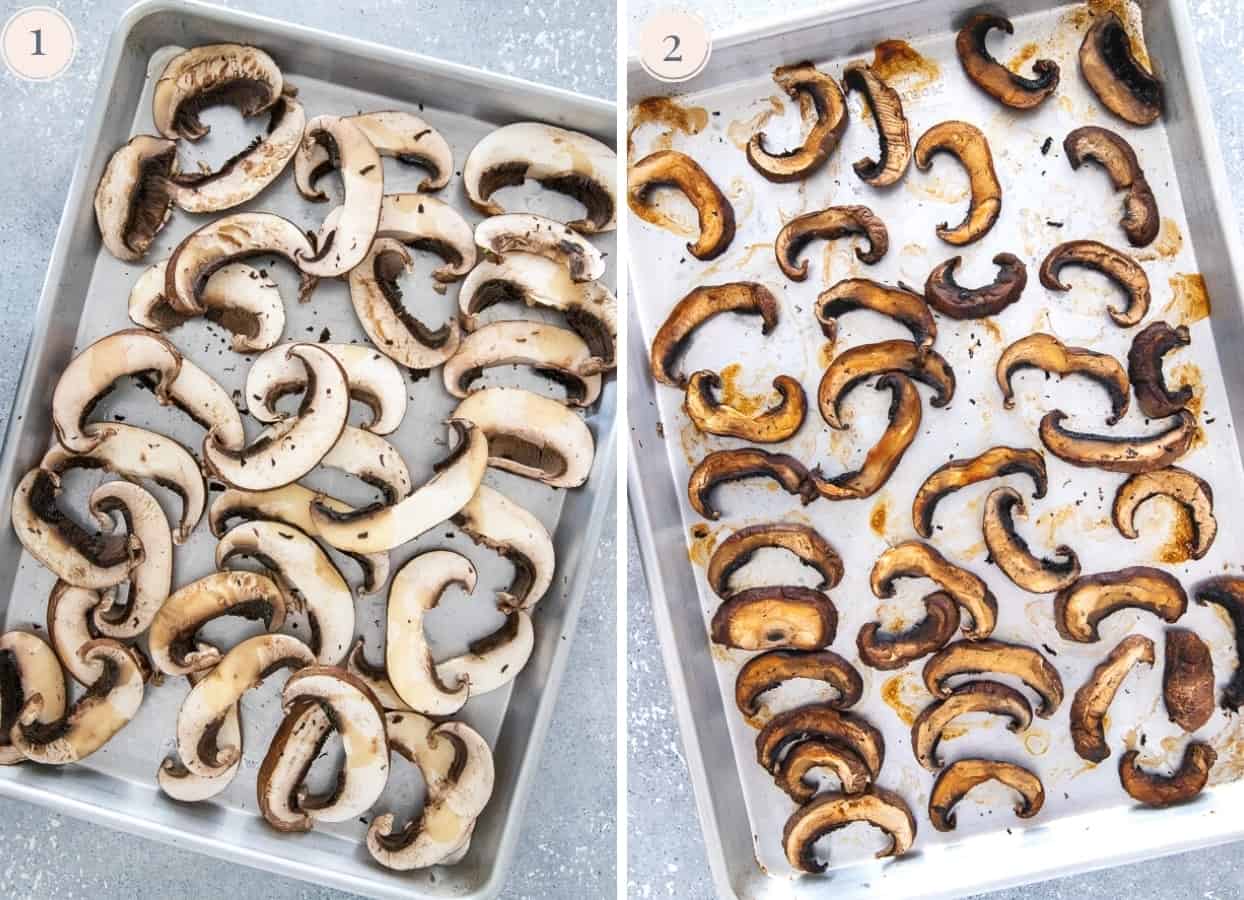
pixel 1039 192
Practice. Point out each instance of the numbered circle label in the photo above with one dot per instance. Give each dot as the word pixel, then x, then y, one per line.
pixel 38 43
pixel 674 45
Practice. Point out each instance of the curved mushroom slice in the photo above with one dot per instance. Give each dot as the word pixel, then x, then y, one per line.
pixel 1051 356
pixel 135 453
pixel 213 75
pixel 1080 607
pixel 997 80
pixel 769 670
pixel 133 200
pixel 996 462
pixel 553 352
pixel 1144 367
pixel 1118 267
pixel 306 576
pixel 865 361
pixel 1192 493
pixel 913 559
pixel 244 175
pixel 109 703
pixel 847 767
pixel 775 424
pixel 371 459
pixel 494 660
pixel 1010 551
pixel 829 224
pixel 974 697
pixel 962 775
pixel 804 541
pixel 887 111
pixel 669 168
pixel 1118 454
pixel 996 657
pixel 399 135
pixel 425 223
pixel 818 93
pixel 820 722
pixel 696 308
pixel 377 300
pixel 226 240
pixel 377 527
pixel 967 144
pixel 201 397
pixel 199 741
pixel 181 784
pixel 887 652
pixel 493 520
pixel 1114 154
pixel 375 676
pixel 878 807
pixel 1188 679
pixel 1180 786
pixel 28 667
pixel 769 618
pixel 151 579
pixel 567 162
pixel 1092 701
pixel 951 299
pixel 297 743
pixel 722 466
pixel 900 303
pixel 529 233
pixel 1227 591
pixel 70 627
pixel 1116 76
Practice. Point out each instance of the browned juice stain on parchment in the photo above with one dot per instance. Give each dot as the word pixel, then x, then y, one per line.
pixel 703 542
pixel 1169 242
pixel 1229 745
pixel 1175 550
pixel 732 265
pixel 1189 299
pixel 668 112
pixel 1036 741
pixel 990 327
pixel 825 355
pixel 740 131
pixel 654 215
pixel 694 446
pixel 892 690
pixel 1026 52
pixel 720 653
pixel 734 397
pixel 877 518
pixel 896 60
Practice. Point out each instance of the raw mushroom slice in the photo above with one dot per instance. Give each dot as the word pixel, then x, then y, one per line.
pixel 298 742
pixel 1118 454
pixel 372 459
pixel 1180 786
pixel 887 652
pixel 1048 354
pixel 1144 367
pixel 425 223
pixel 900 303
pixel 213 75
pixel 887 111
pixel 1193 494
pixel 151 580
pixel 829 812
pixel 1109 150
pixel 997 80
pixel 958 779
pixel 819 721
pixel 771 669
pixel 669 168
pixel 133 200
pixel 990 657
pixel 973 697
pixel 1092 700
pixel 1188 679
pixel 996 462
pixel 564 161
pixel 1011 553
pixel 914 559
pixel 493 520
pixel 858 363
pixel 829 224
pixel 70 627
pixel 951 299
pixel 967 144
pixel 183 785
pixel 28 668
pixel 201 397
pixel 494 660
pixel 1115 265
pixel 1121 83
pixel 529 233
pixel 772 618
pixel 556 353
pixel 769 426
pixel 375 677
pixel 746 298
pixel 805 542
pixel 1081 606
pixel 816 93
pixel 396 134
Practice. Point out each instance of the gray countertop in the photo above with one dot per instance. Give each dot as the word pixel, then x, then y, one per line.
pixel 667 857
pixel 567 848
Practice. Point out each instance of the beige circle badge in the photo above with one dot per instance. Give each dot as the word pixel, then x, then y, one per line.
pixel 38 43
pixel 674 45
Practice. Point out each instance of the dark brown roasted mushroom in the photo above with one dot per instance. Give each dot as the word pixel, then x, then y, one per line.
pixel 1190 492
pixel 887 111
pixel 1227 591
pixel 914 559
pixel 746 462
pixel 996 462
pixel 887 652
pixel 949 298
pixel 961 776
pixel 1092 700
pixel 696 308
pixel 1000 658
pixel 995 79
pixel 1115 265
pixel 1144 367
pixel 1118 454
pixel 775 424
pixel 848 768
pixel 900 303
pixel 804 541
pixel 967 144
pixel 828 813
pixel 1188 679
pixel 1011 553
pixel 1050 355
pixel 1179 787
pixel 801 81
pixel 1121 83
pixel 858 363
pixel 829 224
pixel 1080 607
pixel 819 721
pixel 769 670
pixel 770 618
pixel 669 168
pixel 975 696
pixel 1114 154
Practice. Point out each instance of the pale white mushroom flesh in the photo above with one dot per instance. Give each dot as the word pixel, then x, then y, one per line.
pixel 149 581
pixel 236 75
pixel 529 233
pixel 556 353
pixel 493 520
pixel 28 667
pixel 400 135
pixel 69 627
pixel 298 742
pixel 133 200
pixel 183 785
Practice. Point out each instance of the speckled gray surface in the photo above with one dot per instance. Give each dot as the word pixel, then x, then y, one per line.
pixel 567 848
pixel 667 857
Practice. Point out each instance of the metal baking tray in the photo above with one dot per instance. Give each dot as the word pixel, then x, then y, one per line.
pixel 1087 820
pixel 84 297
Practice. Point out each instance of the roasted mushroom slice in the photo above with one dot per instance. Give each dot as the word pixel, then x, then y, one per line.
pixel 529 233
pixel 951 299
pixel 1144 367
pixel 803 541
pixel 567 162
pixel 967 144
pixel 770 618
pixel 900 303
pixel 181 784
pixel 914 559
pixel 1188 679
pixel 997 80
pixel 1080 607
pixel 213 75
pixel 299 740
pixel 886 652
pixel 556 353
pixel 696 308
pixel 974 697
pixel 829 224
pixel 1092 701
pixel 151 579
pixel 1114 154
pixel 1051 356
pixel 1011 553
pixel 1227 591
pixel 1180 786
pixel 400 135
pixel 847 767
pixel 887 112
pixel 669 168
pixel 1193 494
pixel 133 200
pixel 1118 454
pixel 70 627
pixel 996 657
pixel 769 670
pixel 996 462
pixel 493 520
pixel 1121 83
pixel 818 93
pixel 1115 265
pixel 829 812
pixel 722 466
pixel 858 363
pixel 775 424
pixel 819 722
pixel 28 667
pixel 962 775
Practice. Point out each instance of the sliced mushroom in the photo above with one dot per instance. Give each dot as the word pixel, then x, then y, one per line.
pixel 567 162
pixel 1080 607
pixel 1114 154
pixel 829 224
pixel 696 308
pixel 967 144
pixel 775 424
pixel 1051 356
pixel 1188 679
pixel 1121 83
pixel 1092 701
pixel 493 520
pixel 899 303
pixel 1118 454
pixel 769 670
pixel 722 466
pixel 974 697
pixel 299 740
pixel 853 776
pixel 913 559
pixel 70 627
pixel 996 462
pixel 817 93
pixel 669 168
pixel 151 579
pixel 1011 553
pixel 529 233
pixel 1227 591
pixel 770 618
pixel 1144 367
pixel 1192 493
pixel 133 200
pixel 28 668
pixel 829 812
pixel 425 223
pixel 886 652
pixel 803 541
pixel 858 363
pixel 396 134
pixel 887 112
pixel 951 299
pixel 997 80
pixel 1118 267
pixel 201 397
pixel 962 775
pixel 1180 786
pixel 213 75
pixel 996 657
pixel 556 353
pixel 822 722
pixel 375 676
pixel 181 784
